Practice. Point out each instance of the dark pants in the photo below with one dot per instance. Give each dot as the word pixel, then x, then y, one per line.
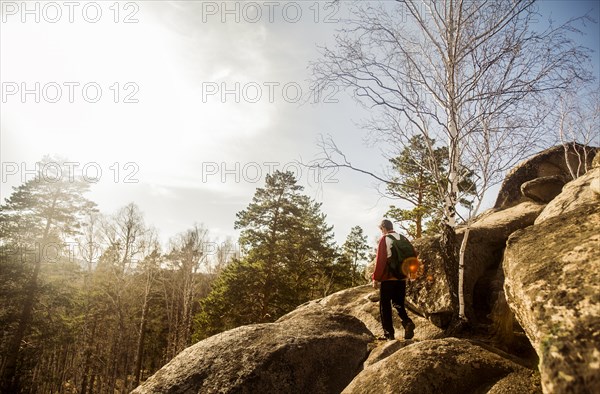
pixel 392 292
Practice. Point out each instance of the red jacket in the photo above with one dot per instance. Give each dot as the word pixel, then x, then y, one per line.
pixel 381 273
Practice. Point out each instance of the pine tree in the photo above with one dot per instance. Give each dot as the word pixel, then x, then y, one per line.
pixel 414 181
pixel 286 232
pixel 40 213
pixel 288 259
pixel 355 250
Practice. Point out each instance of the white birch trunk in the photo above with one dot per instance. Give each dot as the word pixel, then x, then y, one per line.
pixel 461 274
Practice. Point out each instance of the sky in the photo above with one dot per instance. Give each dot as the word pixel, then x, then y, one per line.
pixel 183 107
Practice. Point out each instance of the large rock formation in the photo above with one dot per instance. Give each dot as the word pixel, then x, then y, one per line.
pixel 430 293
pixel 484 249
pixel 595 183
pixel 575 194
pixel 552 272
pixel 448 365
pixel 521 199
pixel 560 163
pixel 543 189
pixel 316 352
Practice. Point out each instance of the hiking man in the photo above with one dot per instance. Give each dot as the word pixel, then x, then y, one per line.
pixel 392 289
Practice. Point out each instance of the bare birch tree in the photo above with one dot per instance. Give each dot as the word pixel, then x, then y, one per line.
pixel 89 250
pixel 187 264
pixel 224 253
pixel 128 241
pixel 577 120
pixel 463 72
pixel 148 268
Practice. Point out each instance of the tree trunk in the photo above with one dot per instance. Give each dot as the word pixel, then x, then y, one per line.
pixel 88 342
pixel 92 381
pixel 448 247
pixel 420 202
pixel 461 274
pixel 140 344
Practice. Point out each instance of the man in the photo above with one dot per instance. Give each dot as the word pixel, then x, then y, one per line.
pixel 392 290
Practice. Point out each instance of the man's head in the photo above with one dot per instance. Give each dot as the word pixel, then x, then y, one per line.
pixel 386 226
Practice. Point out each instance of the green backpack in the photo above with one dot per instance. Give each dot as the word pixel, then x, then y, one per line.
pixel 403 263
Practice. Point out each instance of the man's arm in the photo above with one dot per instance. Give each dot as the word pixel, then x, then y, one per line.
pixel 381 260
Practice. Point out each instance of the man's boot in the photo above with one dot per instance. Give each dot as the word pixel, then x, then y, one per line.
pixel 386 337
pixel 409 329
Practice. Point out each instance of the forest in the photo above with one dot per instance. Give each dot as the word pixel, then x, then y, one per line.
pixel 93 302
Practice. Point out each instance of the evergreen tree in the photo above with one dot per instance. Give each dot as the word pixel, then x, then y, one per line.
pixel 289 258
pixel 355 250
pixel 414 181
pixel 40 214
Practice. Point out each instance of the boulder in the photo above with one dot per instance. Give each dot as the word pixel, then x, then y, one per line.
pixel 517 382
pixel 552 284
pixel 575 194
pixel 595 185
pixel 447 365
pixel 385 350
pixel 543 189
pixel 317 352
pixel 360 302
pixel 363 303
pixel 596 161
pixel 557 161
